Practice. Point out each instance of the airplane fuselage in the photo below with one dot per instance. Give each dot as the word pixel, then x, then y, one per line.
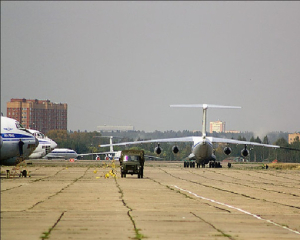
pixel 62 153
pixel 202 152
pixel 42 150
pixel 45 146
pixel 11 133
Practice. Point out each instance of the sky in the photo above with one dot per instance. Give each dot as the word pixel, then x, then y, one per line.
pixel 125 63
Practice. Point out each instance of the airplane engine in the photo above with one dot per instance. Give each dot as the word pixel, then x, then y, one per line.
pixel 245 152
pixel 227 150
pixel 175 149
pixel 157 150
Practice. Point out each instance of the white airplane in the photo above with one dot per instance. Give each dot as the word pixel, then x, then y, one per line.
pixel 65 153
pixel 111 154
pixel 62 153
pixel 117 154
pixel 46 145
pixel 11 133
pixel 202 150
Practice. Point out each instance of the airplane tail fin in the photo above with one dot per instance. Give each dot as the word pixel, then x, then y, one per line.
pixel 111 148
pixel 205 107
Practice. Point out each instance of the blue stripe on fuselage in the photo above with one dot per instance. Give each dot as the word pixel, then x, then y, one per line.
pixel 14 136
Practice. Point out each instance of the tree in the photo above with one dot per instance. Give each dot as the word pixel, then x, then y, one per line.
pixel 265 151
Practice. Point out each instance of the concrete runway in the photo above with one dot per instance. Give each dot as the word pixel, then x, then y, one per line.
pixel 74 201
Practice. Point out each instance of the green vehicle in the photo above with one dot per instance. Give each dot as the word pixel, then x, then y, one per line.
pixel 132 162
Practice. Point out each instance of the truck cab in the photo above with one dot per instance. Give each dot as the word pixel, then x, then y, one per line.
pixel 132 162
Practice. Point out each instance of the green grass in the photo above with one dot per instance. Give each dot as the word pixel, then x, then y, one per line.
pixel 46 234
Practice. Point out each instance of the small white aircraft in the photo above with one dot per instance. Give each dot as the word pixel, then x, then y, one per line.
pixel 11 133
pixel 65 153
pixel 117 154
pixel 46 145
pixel 62 153
pixel 111 154
pixel 202 150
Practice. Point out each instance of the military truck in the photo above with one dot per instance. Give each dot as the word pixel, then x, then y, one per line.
pixel 132 162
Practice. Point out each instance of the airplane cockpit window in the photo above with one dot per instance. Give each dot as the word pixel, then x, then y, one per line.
pixel 39 135
pixel 19 126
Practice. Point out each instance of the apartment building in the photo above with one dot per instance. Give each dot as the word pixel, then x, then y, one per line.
pixel 41 115
pixel 217 126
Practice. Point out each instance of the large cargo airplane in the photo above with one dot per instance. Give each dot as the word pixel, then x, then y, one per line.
pixel 46 145
pixel 11 133
pixel 202 150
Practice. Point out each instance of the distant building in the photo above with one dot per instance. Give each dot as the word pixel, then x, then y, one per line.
pixel 232 131
pixel 41 115
pixel 217 126
pixel 107 128
pixel 292 137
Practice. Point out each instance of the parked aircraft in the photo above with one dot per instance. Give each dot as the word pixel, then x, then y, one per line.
pixel 117 154
pixel 62 153
pixel 202 150
pixel 11 134
pixel 46 145
pixel 111 154
pixel 65 153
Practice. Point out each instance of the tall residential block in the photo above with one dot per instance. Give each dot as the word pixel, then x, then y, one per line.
pixel 217 126
pixel 41 115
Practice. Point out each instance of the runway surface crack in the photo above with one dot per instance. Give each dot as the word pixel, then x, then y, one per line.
pixel 232 192
pixel 187 196
pixel 46 234
pixel 219 230
pixel 55 194
pixel 138 235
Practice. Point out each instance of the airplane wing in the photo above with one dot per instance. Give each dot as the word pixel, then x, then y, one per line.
pixel 153 157
pixel 182 139
pixel 233 141
pixel 95 153
pixel 194 139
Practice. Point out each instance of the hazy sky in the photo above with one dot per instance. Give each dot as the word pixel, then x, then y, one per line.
pixel 124 63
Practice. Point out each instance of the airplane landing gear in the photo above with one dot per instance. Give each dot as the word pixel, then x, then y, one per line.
pixel 23 173
pixel 214 164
